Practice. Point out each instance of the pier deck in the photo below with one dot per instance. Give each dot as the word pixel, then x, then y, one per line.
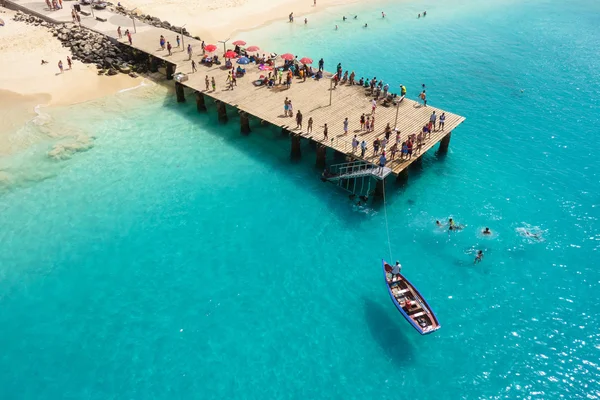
pixel 311 97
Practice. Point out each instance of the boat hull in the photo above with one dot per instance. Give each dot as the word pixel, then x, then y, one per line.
pixel 422 318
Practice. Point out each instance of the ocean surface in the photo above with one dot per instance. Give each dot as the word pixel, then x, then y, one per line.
pixel 148 252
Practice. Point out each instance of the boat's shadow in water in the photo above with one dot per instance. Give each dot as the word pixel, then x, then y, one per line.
pixel 389 332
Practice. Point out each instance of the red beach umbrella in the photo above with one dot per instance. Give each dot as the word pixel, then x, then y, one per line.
pixel 306 60
pixel 230 54
pixel 239 43
pixel 252 49
pixel 210 48
pixel 287 56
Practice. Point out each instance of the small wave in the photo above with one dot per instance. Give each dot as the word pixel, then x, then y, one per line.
pixel 41 118
pixel 141 85
pixel 64 150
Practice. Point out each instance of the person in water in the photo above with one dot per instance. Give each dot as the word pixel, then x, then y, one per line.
pixel 487 231
pixel 453 226
pixel 365 25
pixel 478 257
pixel 439 224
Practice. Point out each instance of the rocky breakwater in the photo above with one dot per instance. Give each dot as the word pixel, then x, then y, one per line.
pixel 89 47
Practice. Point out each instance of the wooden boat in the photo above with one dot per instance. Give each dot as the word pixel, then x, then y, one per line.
pixel 409 302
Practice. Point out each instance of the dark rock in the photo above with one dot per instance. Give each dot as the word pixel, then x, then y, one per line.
pixel 111 72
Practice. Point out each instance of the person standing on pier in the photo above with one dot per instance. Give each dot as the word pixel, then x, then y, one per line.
pixel 372 123
pixel 346 126
pixel 214 84
pixel 285 107
pixel 382 161
pixel 442 121
pixel 119 33
pixel 60 66
pixel 162 42
pixel 169 47
pixel 325 132
pixel 298 120
pixel 203 48
pixel 178 41
pixel 129 37
pixel 432 120
pixel 193 66
pixel 354 144
pixel 309 127
pixel 189 50
pixel 362 122
pixel 373 106
pixel 207 82
pixel 69 62
pixel 363 148
pixel 290 109
pixel 423 97
pixel 321 64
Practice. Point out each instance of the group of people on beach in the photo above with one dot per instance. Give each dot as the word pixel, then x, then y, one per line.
pixel 54 5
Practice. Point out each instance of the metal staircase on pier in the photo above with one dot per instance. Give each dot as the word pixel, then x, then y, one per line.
pixel 356 176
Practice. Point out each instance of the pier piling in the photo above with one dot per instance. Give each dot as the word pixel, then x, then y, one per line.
pixel 200 102
pixel 179 92
pixel 170 71
pixel 321 155
pixel 244 122
pixel 296 153
pixel 444 143
pixel 379 188
pixel 222 111
pixel 402 177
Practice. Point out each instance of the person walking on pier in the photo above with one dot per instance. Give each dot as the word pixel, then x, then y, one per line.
pixel 354 144
pixel 309 127
pixel 207 82
pixel 189 50
pixel 372 123
pixel 363 148
pixel 162 42
pixel 178 41
pixel 362 122
pixel 69 62
pixel 298 120
pixel 373 106
pixel 442 121
pixel 229 81
pixel 129 37
pixel 214 84
pixel 193 66
pixel 119 33
pixel 60 66
pixel 321 64
pixel 325 132
pixel 432 120
pixel 346 126
pixel 169 47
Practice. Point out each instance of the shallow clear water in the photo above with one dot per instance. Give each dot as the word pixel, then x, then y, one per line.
pixel 176 258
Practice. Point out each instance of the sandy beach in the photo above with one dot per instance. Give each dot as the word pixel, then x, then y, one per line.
pixel 215 20
pixel 25 83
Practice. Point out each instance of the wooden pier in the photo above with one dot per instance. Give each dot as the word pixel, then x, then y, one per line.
pixel 314 98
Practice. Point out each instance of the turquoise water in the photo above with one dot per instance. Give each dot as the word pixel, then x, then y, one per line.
pixel 177 258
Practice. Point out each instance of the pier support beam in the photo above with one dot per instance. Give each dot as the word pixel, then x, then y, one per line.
pixel 296 153
pixel 379 189
pixel 170 71
pixel 285 131
pixel 222 111
pixel 244 122
pixel 200 102
pixel 321 155
pixel 402 177
pixel 179 92
pixel 444 143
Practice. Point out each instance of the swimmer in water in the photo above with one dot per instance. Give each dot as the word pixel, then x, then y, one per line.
pixel 487 231
pixel 365 25
pixel 356 17
pixel 419 16
pixel 344 18
pixel 478 257
pixel 438 223
pixel 532 235
pixel 454 227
